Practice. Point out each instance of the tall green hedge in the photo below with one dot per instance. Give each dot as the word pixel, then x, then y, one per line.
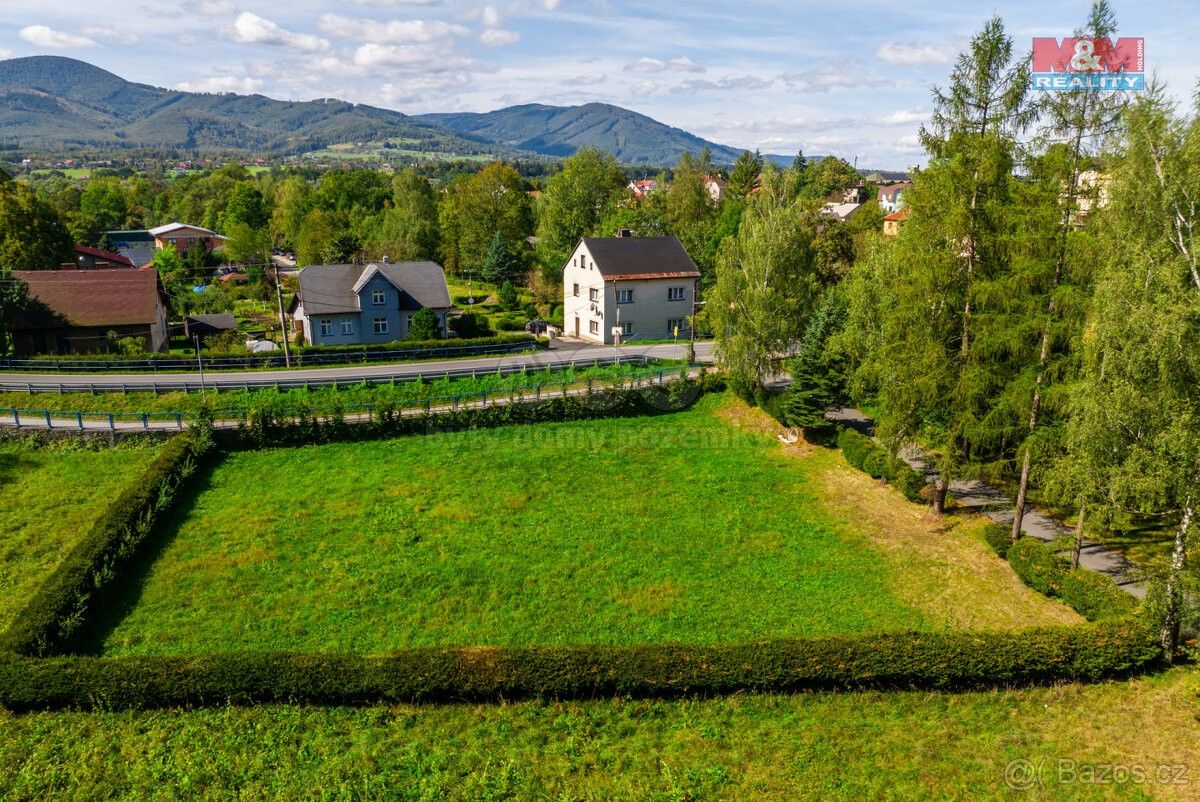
pixel 868 456
pixel 60 605
pixel 898 660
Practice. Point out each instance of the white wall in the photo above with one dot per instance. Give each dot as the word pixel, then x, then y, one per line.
pixel 587 277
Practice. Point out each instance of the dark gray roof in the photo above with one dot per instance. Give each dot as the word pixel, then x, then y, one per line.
pixel 329 289
pixel 220 321
pixel 630 258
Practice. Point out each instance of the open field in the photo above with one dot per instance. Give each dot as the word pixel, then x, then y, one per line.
pixel 680 528
pixel 49 496
pixel 831 746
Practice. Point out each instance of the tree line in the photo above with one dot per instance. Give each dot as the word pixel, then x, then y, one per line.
pixel 1036 321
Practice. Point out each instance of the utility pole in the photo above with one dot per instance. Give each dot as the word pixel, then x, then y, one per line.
pixel 199 361
pixel 287 353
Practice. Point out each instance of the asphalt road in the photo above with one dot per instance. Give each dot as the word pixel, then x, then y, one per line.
pixel 562 352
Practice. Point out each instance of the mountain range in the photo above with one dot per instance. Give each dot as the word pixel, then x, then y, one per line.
pixel 52 104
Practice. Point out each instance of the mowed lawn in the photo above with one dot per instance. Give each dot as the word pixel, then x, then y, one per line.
pixel 679 528
pixel 49 496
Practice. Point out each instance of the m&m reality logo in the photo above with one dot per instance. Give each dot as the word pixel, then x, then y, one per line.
pixel 1088 64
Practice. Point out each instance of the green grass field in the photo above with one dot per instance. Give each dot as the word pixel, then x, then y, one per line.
pixel 49 495
pixel 680 528
pixel 828 746
pixel 821 746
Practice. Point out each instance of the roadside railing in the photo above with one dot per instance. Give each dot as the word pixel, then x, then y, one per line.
pixel 265 361
pixel 351 413
pixel 115 384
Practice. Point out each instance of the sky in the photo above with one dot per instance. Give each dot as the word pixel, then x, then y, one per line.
pixel 846 78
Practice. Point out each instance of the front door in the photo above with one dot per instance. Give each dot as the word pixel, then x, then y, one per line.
pixel 577 326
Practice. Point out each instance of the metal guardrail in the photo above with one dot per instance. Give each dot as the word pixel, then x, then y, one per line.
pixel 240 416
pixel 273 360
pixel 117 384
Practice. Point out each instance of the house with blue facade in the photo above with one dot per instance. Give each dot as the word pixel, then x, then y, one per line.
pixel 367 304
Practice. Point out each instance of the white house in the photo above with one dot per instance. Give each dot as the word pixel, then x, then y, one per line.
pixel 715 186
pixel 622 288
pixel 891 197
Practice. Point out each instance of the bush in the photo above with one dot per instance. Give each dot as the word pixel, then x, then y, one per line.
pixel 1037 565
pixel 423 326
pixel 999 537
pixel 507 295
pixel 510 323
pixel 61 604
pixel 906 479
pixel 868 456
pixel 941 660
pixel 1094 596
pixel 470 325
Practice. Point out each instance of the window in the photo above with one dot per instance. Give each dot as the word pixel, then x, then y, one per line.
pixel 594 326
pixel 626 328
pixel 676 324
pixel 171 240
pixel 674 293
pixel 575 290
pixel 326 328
pixel 380 325
pixel 378 297
pixel 593 295
pixel 624 296
pixel 347 327
pixel 582 260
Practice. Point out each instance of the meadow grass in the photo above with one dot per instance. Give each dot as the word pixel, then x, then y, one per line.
pixel 49 495
pixel 823 746
pixel 680 528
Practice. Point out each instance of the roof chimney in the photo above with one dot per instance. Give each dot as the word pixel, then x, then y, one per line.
pixel 625 233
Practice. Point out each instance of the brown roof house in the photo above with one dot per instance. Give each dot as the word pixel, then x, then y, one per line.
pixel 623 288
pixel 72 311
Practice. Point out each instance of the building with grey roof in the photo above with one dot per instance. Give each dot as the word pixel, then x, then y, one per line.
pixel 365 304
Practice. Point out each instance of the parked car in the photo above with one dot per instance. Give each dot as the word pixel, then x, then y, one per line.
pixel 536 326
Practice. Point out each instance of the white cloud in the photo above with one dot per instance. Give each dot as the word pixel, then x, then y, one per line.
pixel 417 30
pixel 250 28
pixel 222 83
pixel 644 88
pixel 647 64
pixel 499 36
pixel 903 54
pixel 491 17
pixel 393 3
pixel 905 117
pixel 210 8
pixel 551 5
pixel 693 85
pixel 823 79
pixel 43 36
pixel 110 34
pixel 428 58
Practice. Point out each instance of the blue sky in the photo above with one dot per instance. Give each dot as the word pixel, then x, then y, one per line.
pixel 849 78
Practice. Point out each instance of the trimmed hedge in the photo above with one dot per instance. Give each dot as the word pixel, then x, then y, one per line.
pixel 1094 596
pixel 416 345
pixel 1037 565
pixel 935 660
pixel 868 456
pixel 60 605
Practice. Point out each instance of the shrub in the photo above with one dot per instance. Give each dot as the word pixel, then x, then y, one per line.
pixel 1094 596
pixel 423 326
pixel 893 660
pixel 907 480
pixel 999 537
pixel 855 447
pixel 510 323
pixel 470 325
pixel 1037 565
pixel 507 295
pixel 61 604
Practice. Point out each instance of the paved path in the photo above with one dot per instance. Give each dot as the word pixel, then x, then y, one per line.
pixel 980 497
pixel 562 353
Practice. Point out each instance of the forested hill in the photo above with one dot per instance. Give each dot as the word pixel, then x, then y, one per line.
pixel 51 103
pixel 562 130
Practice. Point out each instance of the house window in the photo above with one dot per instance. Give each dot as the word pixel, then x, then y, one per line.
pixel 326 328
pixel 676 324
pixel 626 328
pixel 378 298
pixel 624 296
pixel 593 295
pixel 594 326
pixel 582 260
pixel 171 240
pixel 674 293
pixel 575 290
pixel 347 327
pixel 380 325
